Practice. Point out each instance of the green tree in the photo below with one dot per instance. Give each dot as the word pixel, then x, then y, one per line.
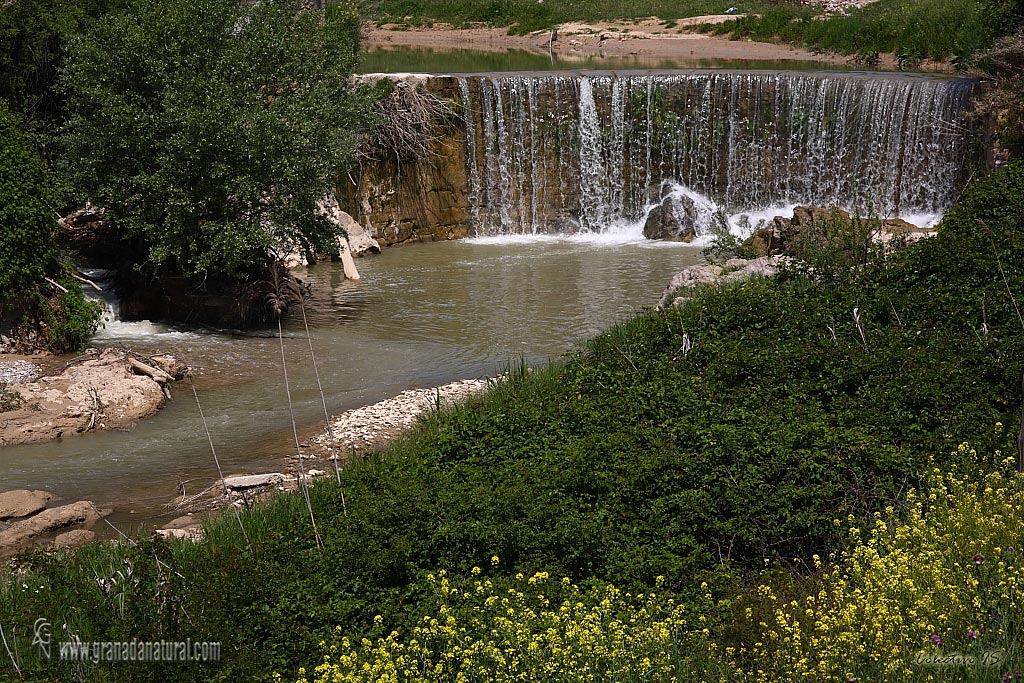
pixel 211 128
pixel 27 247
pixel 33 34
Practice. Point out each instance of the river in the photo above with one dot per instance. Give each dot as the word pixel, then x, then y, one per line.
pixel 422 315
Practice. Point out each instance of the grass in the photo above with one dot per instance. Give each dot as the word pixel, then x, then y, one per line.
pixel 523 16
pixel 912 30
pixel 641 461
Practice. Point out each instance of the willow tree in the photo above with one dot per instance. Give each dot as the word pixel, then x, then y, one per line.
pixel 211 128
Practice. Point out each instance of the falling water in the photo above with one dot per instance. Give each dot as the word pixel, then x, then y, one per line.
pixel 579 153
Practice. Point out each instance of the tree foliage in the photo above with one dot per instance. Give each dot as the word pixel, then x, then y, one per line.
pixel 33 34
pixel 211 128
pixel 27 247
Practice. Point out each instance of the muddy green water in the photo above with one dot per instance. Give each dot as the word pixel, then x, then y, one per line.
pixel 421 316
pixel 424 60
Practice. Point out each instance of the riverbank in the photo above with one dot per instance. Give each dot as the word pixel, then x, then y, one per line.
pixel 353 434
pixel 642 459
pixel 646 38
pixel 100 390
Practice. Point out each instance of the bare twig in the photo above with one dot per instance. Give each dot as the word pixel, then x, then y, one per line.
pixel 9 653
pixel 282 293
pixel 216 460
pixel 323 400
pixel 56 284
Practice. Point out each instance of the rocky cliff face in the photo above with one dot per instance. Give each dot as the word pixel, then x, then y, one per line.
pixel 412 200
pixel 417 191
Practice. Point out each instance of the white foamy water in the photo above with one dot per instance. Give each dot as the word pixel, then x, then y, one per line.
pixel 112 328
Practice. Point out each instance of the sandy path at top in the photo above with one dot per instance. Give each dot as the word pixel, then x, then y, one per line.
pixel 647 38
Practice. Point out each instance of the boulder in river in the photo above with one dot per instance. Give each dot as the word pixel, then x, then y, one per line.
pixel 673 220
pixel 98 391
pixel 22 503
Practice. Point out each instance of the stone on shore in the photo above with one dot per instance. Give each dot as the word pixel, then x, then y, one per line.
pixel 374 425
pixel 17 371
pixel 74 538
pixel 248 481
pixel 22 503
pixel 732 270
pixel 23 532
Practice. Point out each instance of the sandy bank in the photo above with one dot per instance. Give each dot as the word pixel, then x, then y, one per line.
pixel 644 38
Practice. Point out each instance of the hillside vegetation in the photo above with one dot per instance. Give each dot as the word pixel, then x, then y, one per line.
pixel 707 444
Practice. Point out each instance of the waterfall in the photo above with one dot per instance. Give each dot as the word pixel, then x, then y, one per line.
pixel 559 153
pixel 112 328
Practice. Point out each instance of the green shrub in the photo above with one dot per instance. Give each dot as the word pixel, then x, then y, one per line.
pixel 27 246
pixel 9 399
pixel 67 319
pixel 212 128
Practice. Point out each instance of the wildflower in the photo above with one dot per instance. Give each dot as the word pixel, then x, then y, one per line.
pixel 972 635
pixel 936 640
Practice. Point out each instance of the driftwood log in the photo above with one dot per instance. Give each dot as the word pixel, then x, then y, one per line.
pixel 148 370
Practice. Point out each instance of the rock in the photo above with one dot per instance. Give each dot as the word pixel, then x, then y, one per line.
pixel 248 481
pixel 74 539
pixel 98 393
pixel 809 215
pixel 17 371
pixel 22 532
pixel 674 220
pixel 23 503
pixel 360 239
pixel 781 233
pixel 183 522
pixel 730 271
pixel 187 527
pixel 898 226
pixel 767 240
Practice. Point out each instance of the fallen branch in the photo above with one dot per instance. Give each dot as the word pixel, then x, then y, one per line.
pixel 56 284
pixel 87 281
pixel 151 372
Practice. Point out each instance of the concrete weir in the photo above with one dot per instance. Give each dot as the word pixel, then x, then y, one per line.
pixel 569 152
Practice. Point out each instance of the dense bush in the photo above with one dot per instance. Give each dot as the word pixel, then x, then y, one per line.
pixel 211 128
pixel 694 444
pixel 33 37
pixel 27 244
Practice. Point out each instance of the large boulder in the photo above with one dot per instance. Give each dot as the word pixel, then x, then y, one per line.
pixel 22 503
pixel 673 220
pixel 28 530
